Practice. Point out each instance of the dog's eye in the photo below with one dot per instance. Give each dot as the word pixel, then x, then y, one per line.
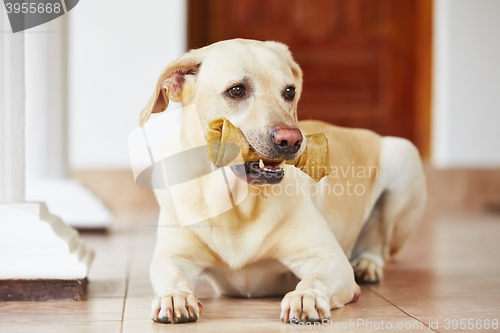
pixel 289 93
pixel 236 92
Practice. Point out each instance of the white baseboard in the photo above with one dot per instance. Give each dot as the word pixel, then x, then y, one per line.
pixel 35 244
pixel 69 199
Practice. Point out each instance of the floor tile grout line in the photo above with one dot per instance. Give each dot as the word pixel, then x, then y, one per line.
pixel 57 322
pixel 127 276
pixel 400 309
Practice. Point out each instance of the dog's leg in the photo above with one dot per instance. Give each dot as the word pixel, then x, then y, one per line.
pixel 173 280
pixel 327 279
pixel 397 211
pixel 367 257
pixel 177 262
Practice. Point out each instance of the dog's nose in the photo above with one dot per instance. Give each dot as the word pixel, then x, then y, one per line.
pixel 286 140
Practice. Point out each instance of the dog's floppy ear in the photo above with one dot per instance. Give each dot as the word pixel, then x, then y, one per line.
pixel 170 84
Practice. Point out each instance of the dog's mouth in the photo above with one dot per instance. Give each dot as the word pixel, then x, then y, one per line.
pixel 263 172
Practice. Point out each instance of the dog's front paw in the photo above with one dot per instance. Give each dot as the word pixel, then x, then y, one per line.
pixel 304 306
pixel 367 270
pixel 179 307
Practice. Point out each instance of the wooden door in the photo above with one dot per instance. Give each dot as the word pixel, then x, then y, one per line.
pixel 366 63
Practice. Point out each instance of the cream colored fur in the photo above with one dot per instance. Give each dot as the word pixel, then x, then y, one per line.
pixel 303 243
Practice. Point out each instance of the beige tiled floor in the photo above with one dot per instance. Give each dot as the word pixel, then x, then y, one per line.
pixel 449 271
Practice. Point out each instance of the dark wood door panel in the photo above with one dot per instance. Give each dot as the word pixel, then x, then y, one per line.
pixel 359 57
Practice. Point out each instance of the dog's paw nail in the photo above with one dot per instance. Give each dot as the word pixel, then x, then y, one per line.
pixel 164 320
pixel 201 307
pixel 321 314
pixel 178 314
pixel 182 319
pixel 312 319
pixel 192 315
pixel 285 316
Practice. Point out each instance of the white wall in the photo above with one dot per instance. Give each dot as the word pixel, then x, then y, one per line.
pixel 116 52
pixel 46 101
pixel 466 110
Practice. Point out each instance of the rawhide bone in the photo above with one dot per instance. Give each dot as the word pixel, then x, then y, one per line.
pixel 225 141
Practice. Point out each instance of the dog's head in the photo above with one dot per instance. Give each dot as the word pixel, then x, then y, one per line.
pixel 255 85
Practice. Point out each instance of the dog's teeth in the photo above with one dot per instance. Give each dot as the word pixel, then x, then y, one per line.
pixel 282 164
pixel 261 164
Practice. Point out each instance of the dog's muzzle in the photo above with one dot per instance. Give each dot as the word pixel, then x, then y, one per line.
pixel 262 172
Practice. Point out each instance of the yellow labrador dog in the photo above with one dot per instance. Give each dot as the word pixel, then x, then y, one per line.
pixel 307 241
